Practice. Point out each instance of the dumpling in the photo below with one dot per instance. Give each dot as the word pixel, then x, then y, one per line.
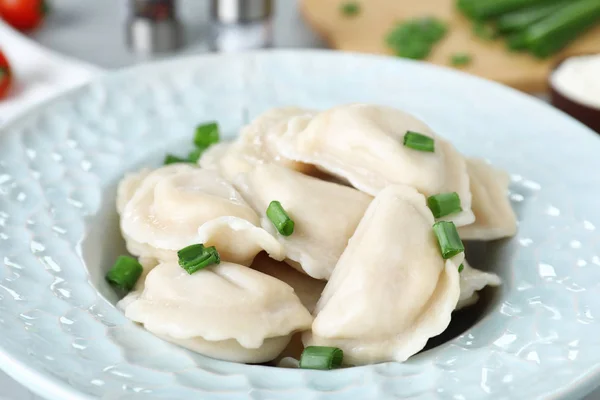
pixel 391 289
pixel 148 265
pixel 212 156
pixel 471 281
pixel 179 205
pixel 306 288
pixel 363 144
pixel 494 217
pixel 325 214
pixel 228 311
pixel 127 187
pixel 262 134
pixel 257 144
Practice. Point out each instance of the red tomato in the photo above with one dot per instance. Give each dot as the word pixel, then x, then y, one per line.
pixel 5 76
pixel 23 15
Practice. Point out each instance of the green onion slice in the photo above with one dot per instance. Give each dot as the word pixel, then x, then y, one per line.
pixel 460 268
pixel 280 219
pixel 125 273
pixel 447 236
pixel 195 154
pixel 444 204
pixel 206 134
pixel 171 159
pixel 418 141
pixel 321 357
pixel 196 257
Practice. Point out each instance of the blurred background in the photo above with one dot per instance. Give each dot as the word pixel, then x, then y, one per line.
pixel 548 48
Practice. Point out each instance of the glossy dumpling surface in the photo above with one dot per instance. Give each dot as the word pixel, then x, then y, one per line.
pixel 148 265
pixel 473 280
pixel 128 186
pixel 381 305
pixel 264 131
pixel 179 205
pixel 325 214
pixel 257 144
pixel 494 217
pixel 226 311
pixel 363 144
pixel 306 288
pixel 212 156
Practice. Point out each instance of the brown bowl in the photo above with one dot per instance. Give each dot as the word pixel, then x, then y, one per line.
pixel 588 115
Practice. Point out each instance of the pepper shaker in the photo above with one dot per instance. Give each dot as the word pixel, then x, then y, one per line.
pixel 241 24
pixel 153 27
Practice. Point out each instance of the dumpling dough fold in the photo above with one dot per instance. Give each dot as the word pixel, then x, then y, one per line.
pixel 179 205
pixel 226 311
pixel 391 290
pixel 212 156
pixel 473 280
pixel 494 217
pixel 306 288
pixel 257 144
pixel 325 214
pixel 363 144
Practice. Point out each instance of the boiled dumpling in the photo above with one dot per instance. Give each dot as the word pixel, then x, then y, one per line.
pixel 494 217
pixel 325 214
pixel 257 144
pixel 128 186
pixel 263 132
pixel 391 289
pixel 148 265
pixel 306 288
pixel 364 145
pixel 212 156
pixel 471 281
pixel 228 311
pixel 179 205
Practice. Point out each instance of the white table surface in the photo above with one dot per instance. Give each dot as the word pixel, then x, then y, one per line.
pixel 60 72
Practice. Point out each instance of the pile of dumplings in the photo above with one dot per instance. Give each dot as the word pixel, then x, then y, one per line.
pixel 362 271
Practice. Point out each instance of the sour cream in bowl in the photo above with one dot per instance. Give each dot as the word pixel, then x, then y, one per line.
pixel 575 88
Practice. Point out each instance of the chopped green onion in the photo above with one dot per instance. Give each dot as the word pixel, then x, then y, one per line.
pixel 280 219
pixel 171 159
pixel 350 9
pixel 517 41
pixel 460 268
pixel 206 134
pixel 460 59
pixel 321 357
pixel 556 31
pixel 195 154
pixel 125 273
pixel 485 9
pixel 415 38
pixel 448 239
pixel 418 141
pixel 444 204
pixel 520 20
pixel 196 257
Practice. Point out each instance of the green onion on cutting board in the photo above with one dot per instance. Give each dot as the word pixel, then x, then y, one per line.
pixel 540 27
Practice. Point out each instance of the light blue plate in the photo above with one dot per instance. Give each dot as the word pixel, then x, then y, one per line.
pixel 539 336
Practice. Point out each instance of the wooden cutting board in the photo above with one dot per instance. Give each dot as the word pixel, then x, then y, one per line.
pixel 366 33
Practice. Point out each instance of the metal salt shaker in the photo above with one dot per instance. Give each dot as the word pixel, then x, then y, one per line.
pixel 239 25
pixel 153 27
